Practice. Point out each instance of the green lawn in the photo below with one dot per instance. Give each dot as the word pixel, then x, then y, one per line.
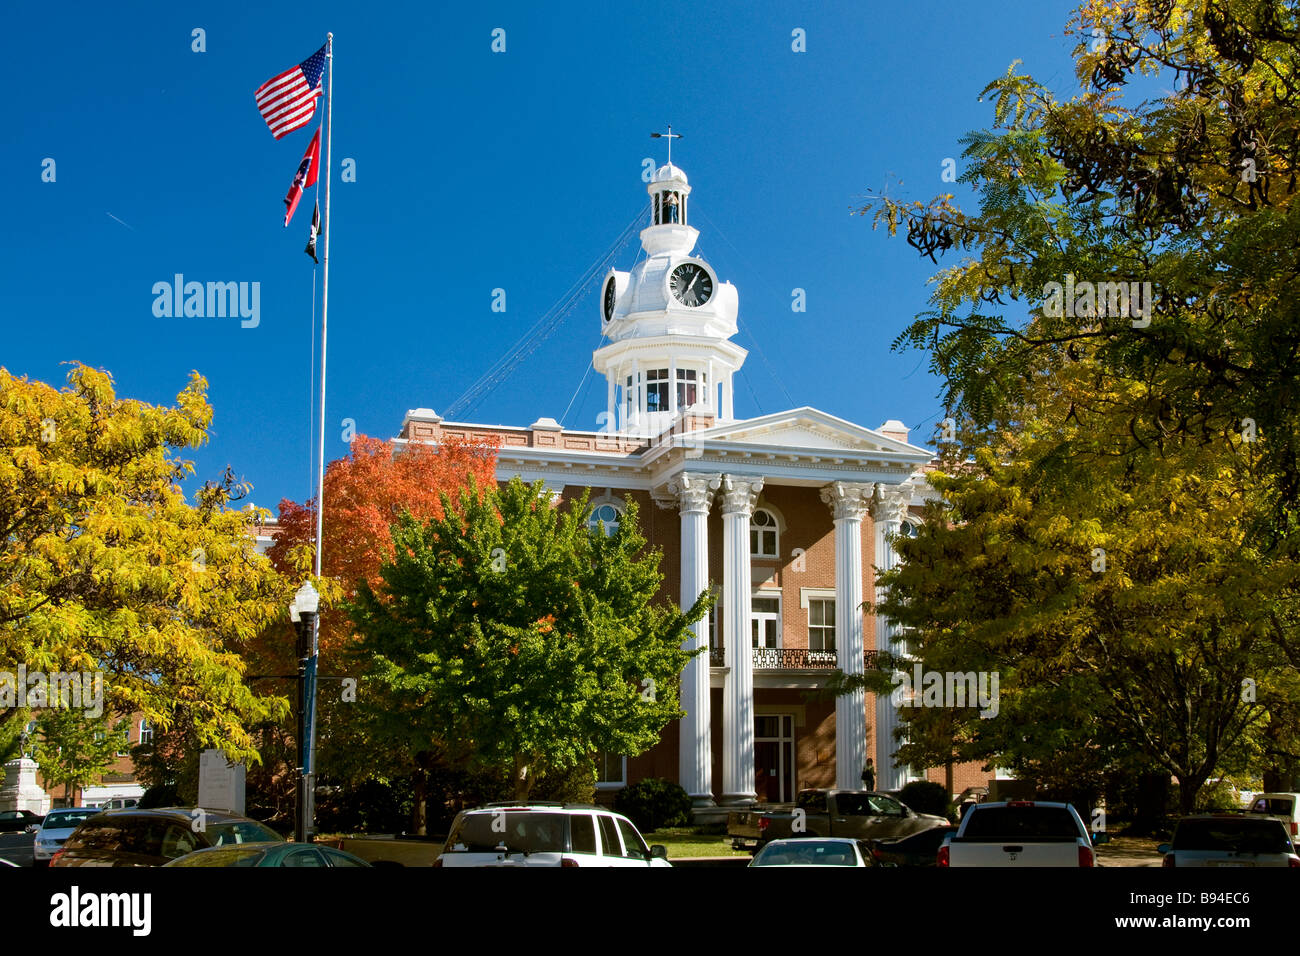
pixel 688 841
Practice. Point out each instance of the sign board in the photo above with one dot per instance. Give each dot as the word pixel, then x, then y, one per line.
pixel 221 783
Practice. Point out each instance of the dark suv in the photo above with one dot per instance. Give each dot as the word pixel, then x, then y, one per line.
pixel 138 837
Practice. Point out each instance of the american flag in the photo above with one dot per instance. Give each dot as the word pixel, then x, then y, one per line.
pixel 287 101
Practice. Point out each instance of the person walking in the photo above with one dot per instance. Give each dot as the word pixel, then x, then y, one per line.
pixel 869 776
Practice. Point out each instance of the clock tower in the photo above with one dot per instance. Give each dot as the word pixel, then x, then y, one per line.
pixel 669 323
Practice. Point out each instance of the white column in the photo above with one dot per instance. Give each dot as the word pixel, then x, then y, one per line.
pixel 611 410
pixel 888 509
pixel 695 756
pixel 848 503
pixel 739 496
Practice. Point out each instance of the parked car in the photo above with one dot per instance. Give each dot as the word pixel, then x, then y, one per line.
pixel 138 837
pixel 269 854
pixel 1230 840
pixel 856 814
pixel 546 834
pixel 19 821
pixel 919 849
pixel 56 828
pixel 1020 833
pixel 1284 806
pixel 815 851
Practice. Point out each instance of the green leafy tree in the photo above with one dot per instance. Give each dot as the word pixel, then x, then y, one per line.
pixel 1185 375
pixel 1192 190
pixel 509 635
pixel 105 566
pixel 1120 596
pixel 75 749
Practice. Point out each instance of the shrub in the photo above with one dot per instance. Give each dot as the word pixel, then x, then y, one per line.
pixel 926 797
pixel 163 795
pixel 654 803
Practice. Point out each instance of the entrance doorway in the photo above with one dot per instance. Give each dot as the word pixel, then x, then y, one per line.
pixel 774 763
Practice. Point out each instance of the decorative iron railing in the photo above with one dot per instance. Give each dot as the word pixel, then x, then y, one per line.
pixel 788 658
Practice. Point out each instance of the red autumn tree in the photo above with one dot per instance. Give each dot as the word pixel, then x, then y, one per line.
pixel 365 494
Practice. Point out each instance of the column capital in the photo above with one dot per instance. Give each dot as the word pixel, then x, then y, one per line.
pixel 848 499
pixel 891 502
pixel 740 495
pixel 694 492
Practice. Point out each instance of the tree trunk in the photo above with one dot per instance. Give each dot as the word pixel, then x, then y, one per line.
pixel 1188 788
pixel 523 779
pixel 1152 798
pixel 419 808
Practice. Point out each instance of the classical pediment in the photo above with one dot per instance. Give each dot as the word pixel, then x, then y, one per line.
pixel 805 429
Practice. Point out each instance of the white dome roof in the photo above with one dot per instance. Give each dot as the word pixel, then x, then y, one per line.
pixel 669 171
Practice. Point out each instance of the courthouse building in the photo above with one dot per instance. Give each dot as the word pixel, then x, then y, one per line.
pixel 785 515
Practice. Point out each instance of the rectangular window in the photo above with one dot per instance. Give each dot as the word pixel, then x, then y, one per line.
pixel 656 390
pixel 609 836
pixel 687 393
pixel 765 622
pixel 821 624
pixel 610 769
pixel 582 833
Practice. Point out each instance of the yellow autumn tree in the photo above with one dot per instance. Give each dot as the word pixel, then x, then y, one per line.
pixel 105 566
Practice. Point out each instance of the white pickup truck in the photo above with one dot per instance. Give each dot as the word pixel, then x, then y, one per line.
pixel 1020 833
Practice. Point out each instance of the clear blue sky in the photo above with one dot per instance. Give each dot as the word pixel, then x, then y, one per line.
pixel 462 159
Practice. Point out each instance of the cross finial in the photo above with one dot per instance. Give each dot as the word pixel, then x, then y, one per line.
pixel 670 136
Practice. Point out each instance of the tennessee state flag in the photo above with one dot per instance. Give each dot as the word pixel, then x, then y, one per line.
pixel 305 178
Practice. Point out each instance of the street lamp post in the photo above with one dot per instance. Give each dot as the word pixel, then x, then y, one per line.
pixel 303 614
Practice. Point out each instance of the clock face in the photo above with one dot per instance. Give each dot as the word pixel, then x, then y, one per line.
pixel 691 284
pixel 609 298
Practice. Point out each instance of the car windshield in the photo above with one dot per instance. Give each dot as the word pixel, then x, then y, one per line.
pixel 1232 836
pixel 806 853
pixel 517 830
pixel 67 819
pixel 242 831
pixel 1033 824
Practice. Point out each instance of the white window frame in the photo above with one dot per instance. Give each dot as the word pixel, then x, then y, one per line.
pixel 145 726
pixel 772 595
pixel 615 785
pixel 654 379
pixel 616 503
pixel 774 528
pixel 806 597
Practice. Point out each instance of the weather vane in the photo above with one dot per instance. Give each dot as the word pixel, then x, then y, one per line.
pixel 670 136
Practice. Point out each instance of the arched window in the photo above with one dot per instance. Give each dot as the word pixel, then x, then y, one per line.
pixel 763 535
pixel 605 513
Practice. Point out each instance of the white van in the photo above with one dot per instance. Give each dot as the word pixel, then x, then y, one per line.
pixel 1284 806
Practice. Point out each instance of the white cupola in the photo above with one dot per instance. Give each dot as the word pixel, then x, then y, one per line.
pixel 669 322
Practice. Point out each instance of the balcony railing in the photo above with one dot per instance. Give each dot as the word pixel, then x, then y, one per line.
pixel 788 658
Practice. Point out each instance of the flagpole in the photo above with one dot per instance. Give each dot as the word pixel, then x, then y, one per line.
pixel 325 302
pixel 307 810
